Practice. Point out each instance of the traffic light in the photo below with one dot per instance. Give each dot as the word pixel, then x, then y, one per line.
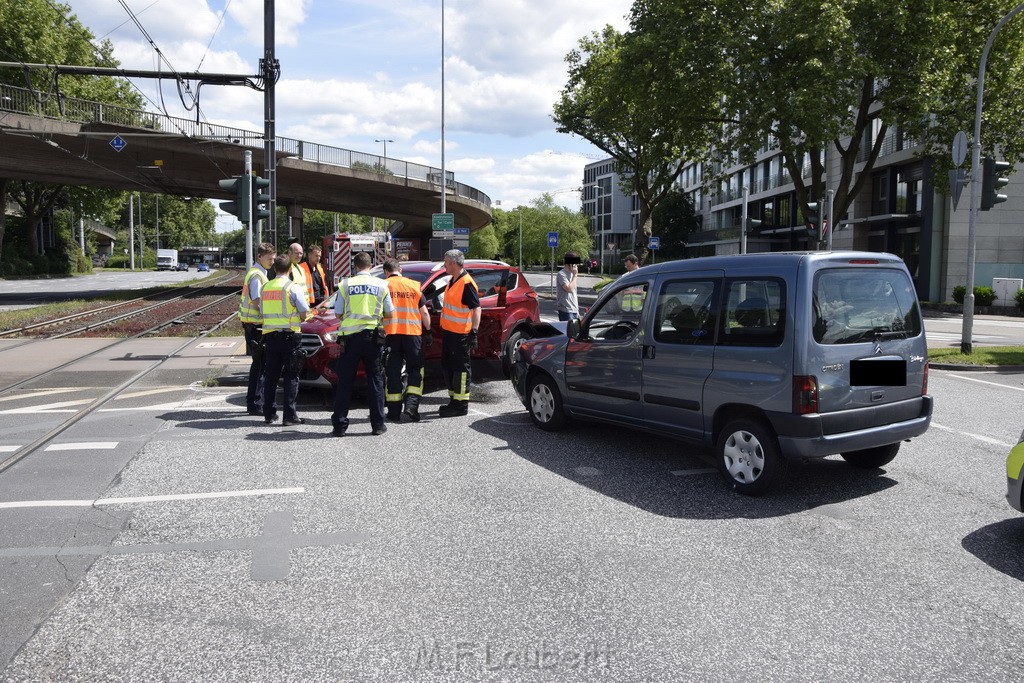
pixel 260 198
pixel 753 225
pixel 242 204
pixel 812 220
pixel 993 180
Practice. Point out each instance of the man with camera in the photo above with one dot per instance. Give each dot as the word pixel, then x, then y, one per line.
pixel 565 287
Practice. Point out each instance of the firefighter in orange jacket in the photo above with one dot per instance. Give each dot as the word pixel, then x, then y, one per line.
pixel 407 329
pixel 317 288
pixel 460 321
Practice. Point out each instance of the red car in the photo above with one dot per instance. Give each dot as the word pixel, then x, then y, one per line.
pixel 508 301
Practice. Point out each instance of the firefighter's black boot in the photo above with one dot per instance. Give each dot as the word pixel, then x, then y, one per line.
pixel 394 411
pixel 454 409
pixel 412 407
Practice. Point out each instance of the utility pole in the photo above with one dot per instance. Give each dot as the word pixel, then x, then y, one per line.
pixel 270 69
pixel 131 228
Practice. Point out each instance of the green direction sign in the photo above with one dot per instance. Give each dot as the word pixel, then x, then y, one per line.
pixel 444 222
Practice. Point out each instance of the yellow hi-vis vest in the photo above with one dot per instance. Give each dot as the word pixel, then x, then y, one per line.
pixel 298 276
pixel 455 317
pixel 248 309
pixel 363 303
pixel 405 296
pixel 279 313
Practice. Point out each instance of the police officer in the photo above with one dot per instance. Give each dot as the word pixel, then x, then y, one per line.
pixel 251 317
pixel 460 322
pixel 362 304
pixel 405 329
pixel 283 307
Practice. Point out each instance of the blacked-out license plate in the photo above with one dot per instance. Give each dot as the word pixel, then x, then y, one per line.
pixel 870 372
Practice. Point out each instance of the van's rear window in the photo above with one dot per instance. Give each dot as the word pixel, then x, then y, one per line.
pixel 855 305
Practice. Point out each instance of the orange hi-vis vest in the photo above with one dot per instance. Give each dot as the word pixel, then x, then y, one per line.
pixel 455 317
pixel 405 295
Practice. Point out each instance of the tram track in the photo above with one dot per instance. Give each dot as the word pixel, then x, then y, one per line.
pixel 216 310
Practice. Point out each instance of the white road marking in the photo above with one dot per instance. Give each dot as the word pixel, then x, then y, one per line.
pixel 149 499
pixel 9 449
pixel 979 437
pixel 981 381
pixel 689 473
pixel 42 392
pixel 83 446
pixel 588 471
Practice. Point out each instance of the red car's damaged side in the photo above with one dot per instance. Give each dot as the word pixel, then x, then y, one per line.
pixel 508 302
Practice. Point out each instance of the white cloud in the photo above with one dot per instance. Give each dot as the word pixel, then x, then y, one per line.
pixel 354 71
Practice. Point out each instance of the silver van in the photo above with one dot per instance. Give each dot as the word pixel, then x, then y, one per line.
pixel 764 357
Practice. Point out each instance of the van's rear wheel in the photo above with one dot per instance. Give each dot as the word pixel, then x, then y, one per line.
pixel 872 458
pixel 545 403
pixel 749 457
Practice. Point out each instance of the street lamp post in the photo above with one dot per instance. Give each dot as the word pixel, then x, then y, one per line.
pixel 520 237
pixel 385 141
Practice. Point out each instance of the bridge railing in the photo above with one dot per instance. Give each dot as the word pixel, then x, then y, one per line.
pixel 34 103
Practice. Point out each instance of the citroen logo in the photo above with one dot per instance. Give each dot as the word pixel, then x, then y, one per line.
pixel 878 347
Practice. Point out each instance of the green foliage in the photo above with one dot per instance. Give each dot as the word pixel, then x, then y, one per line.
pixel 542 217
pixel 674 219
pixel 983 296
pixel 484 243
pixel 1019 298
pixel 627 95
pixel 803 74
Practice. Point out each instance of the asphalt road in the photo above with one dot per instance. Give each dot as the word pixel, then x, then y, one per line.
pixel 480 548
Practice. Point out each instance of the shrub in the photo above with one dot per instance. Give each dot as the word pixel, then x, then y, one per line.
pixel 983 296
pixel 1019 298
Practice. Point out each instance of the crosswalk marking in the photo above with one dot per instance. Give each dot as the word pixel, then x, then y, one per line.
pixel 83 446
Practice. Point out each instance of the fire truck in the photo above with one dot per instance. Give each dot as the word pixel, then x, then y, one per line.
pixel 340 247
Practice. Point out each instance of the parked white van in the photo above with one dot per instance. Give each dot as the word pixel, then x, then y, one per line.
pixel 763 357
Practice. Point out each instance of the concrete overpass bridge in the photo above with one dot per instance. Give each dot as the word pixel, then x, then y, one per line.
pixel 69 141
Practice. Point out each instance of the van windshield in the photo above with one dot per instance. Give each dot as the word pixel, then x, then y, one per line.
pixel 855 305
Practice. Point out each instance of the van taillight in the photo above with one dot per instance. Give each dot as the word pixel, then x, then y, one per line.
pixel 924 380
pixel 805 394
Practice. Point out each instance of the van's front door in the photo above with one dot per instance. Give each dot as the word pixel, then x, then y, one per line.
pixel 678 353
pixel 603 365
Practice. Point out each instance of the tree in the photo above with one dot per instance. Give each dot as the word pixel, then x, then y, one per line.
pixel 484 243
pixel 608 101
pixel 40 31
pixel 808 75
pixel 674 219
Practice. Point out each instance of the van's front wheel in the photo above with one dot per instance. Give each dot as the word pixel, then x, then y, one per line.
pixel 545 403
pixel 872 458
pixel 749 457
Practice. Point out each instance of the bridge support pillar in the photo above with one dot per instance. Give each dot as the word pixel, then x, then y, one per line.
pixel 295 223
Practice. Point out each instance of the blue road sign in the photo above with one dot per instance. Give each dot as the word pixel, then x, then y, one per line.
pixel 118 143
pixel 655 243
pixel 552 239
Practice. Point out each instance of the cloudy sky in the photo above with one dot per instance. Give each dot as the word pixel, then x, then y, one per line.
pixel 357 71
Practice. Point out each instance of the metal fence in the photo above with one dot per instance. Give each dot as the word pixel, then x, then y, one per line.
pixel 34 103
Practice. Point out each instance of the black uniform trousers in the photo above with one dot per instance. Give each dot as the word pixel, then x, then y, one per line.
pixel 361 346
pixel 455 365
pixel 278 349
pixel 254 393
pixel 404 348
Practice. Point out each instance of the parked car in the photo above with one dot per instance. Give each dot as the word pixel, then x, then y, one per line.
pixel 508 302
pixel 1014 478
pixel 764 357
pixel 202 268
